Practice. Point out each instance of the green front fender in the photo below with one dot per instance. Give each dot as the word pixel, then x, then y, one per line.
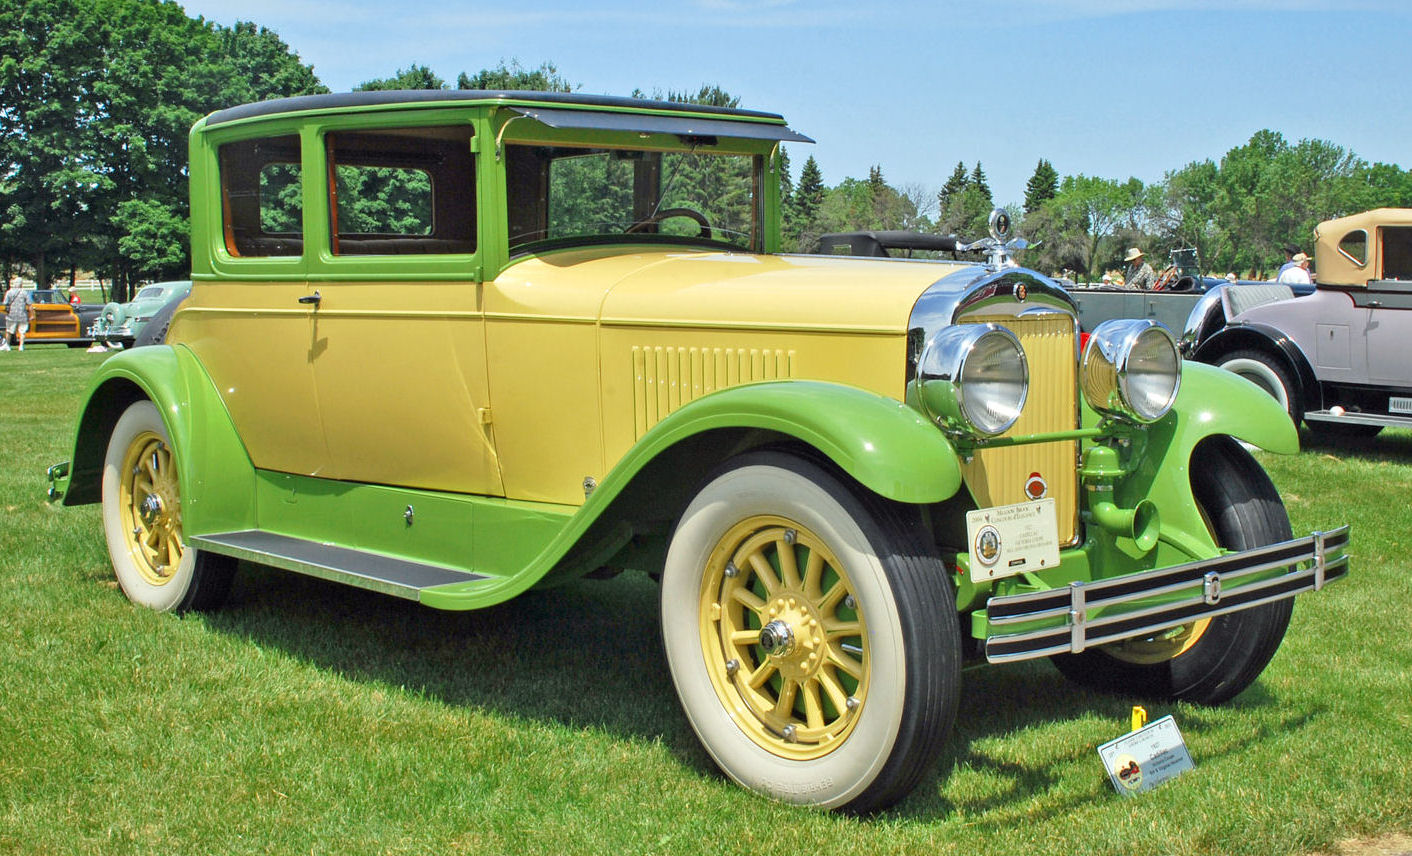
pixel 216 477
pixel 1215 401
pixel 888 447
pixel 1211 402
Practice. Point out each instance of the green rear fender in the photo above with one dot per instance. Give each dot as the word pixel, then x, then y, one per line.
pixel 221 497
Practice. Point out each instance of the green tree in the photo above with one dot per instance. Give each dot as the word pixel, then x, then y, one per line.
pixel 513 76
pixel 1084 222
pixel 1043 185
pixel 97 98
pixel 262 65
pixel 977 180
pixel 411 77
pixel 808 197
pixel 954 185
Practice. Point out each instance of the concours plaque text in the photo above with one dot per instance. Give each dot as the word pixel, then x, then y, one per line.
pixel 1012 539
pixel 1143 759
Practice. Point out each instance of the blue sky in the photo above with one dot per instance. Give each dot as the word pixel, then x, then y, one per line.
pixel 1115 89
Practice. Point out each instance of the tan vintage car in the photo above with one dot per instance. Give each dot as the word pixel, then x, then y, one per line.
pixel 1339 359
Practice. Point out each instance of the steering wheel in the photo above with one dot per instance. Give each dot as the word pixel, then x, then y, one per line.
pixel 668 213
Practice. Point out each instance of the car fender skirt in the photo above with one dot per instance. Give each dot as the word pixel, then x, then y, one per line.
pixel 887 446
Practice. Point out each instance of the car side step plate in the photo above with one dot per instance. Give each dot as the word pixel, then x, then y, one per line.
pixel 1350 418
pixel 373 571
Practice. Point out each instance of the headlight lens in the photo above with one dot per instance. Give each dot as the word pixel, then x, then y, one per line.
pixel 1131 369
pixel 973 379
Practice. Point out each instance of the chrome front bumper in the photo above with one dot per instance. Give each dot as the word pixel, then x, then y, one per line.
pixel 1082 615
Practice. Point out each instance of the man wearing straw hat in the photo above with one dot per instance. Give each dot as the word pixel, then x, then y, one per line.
pixel 1140 275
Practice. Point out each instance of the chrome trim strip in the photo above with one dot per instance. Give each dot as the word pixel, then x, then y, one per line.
pixel 1072 630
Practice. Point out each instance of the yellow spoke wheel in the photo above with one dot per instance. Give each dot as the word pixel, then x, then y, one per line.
pixel 811 636
pixel 1159 647
pixel 142 520
pixel 150 505
pixel 784 639
pixel 1209 660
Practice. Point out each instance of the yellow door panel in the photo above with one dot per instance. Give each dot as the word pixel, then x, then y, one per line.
pixel 257 342
pixel 401 374
pixel 542 338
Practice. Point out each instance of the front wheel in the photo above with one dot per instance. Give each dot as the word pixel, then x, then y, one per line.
pixel 1212 660
pixel 142 520
pixel 812 640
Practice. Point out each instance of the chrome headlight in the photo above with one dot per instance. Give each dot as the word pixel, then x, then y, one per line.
pixel 1131 369
pixel 973 379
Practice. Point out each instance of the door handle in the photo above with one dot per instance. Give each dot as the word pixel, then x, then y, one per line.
pixel 313 298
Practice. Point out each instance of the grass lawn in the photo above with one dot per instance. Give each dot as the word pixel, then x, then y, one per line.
pixel 311 718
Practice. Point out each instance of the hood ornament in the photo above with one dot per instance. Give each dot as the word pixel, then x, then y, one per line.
pixel 999 246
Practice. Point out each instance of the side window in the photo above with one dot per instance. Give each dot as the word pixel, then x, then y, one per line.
pixel 1397 252
pixel 402 191
pixel 1355 246
pixel 261 197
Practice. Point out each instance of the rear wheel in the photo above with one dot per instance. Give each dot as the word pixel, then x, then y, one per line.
pixel 142 520
pixel 1212 660
pixel 812 640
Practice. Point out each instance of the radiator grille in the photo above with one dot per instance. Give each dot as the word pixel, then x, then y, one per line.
pixel 665 378
pixel 998 476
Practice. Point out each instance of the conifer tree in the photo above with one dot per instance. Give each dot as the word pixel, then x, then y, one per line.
pixel 954 185
pixel 1044 184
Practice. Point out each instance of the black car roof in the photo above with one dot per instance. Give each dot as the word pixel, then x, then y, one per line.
pixel 383 98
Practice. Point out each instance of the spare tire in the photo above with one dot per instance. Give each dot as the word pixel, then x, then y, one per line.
pixel 111 316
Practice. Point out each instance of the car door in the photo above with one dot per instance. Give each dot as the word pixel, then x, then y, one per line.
pixel 1388 302
pixel 250 322
pixel 399 354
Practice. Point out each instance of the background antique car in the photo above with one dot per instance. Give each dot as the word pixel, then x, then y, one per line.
pixel 850 475
pixel 1181 285
pixel 1340 359
pixel 122 324
pixel 55 322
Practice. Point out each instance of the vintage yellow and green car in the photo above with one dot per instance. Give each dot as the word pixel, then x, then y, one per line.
pixel 454 345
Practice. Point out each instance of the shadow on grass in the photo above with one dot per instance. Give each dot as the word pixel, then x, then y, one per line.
pixel 1019 703
pixel 590 655
pixel 1391 445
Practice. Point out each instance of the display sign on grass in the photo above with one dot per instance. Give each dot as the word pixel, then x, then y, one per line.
pixel 1143 759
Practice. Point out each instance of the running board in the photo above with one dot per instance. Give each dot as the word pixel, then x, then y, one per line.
pixel 1351 418
pixel 372 571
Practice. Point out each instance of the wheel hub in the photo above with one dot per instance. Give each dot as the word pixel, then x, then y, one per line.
pixel 793 638
pixel 150 509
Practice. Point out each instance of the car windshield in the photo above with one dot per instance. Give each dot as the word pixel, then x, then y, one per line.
pixel 150 292
pixel 562 196
pixel 48 296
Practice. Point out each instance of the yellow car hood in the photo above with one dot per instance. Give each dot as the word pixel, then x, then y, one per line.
pixel 740 290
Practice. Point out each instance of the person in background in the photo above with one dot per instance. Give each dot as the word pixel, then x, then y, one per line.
pixel 17 311
pixel 1290 252
pixel 74 299
pixel 1297 273
pixel 1140 276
